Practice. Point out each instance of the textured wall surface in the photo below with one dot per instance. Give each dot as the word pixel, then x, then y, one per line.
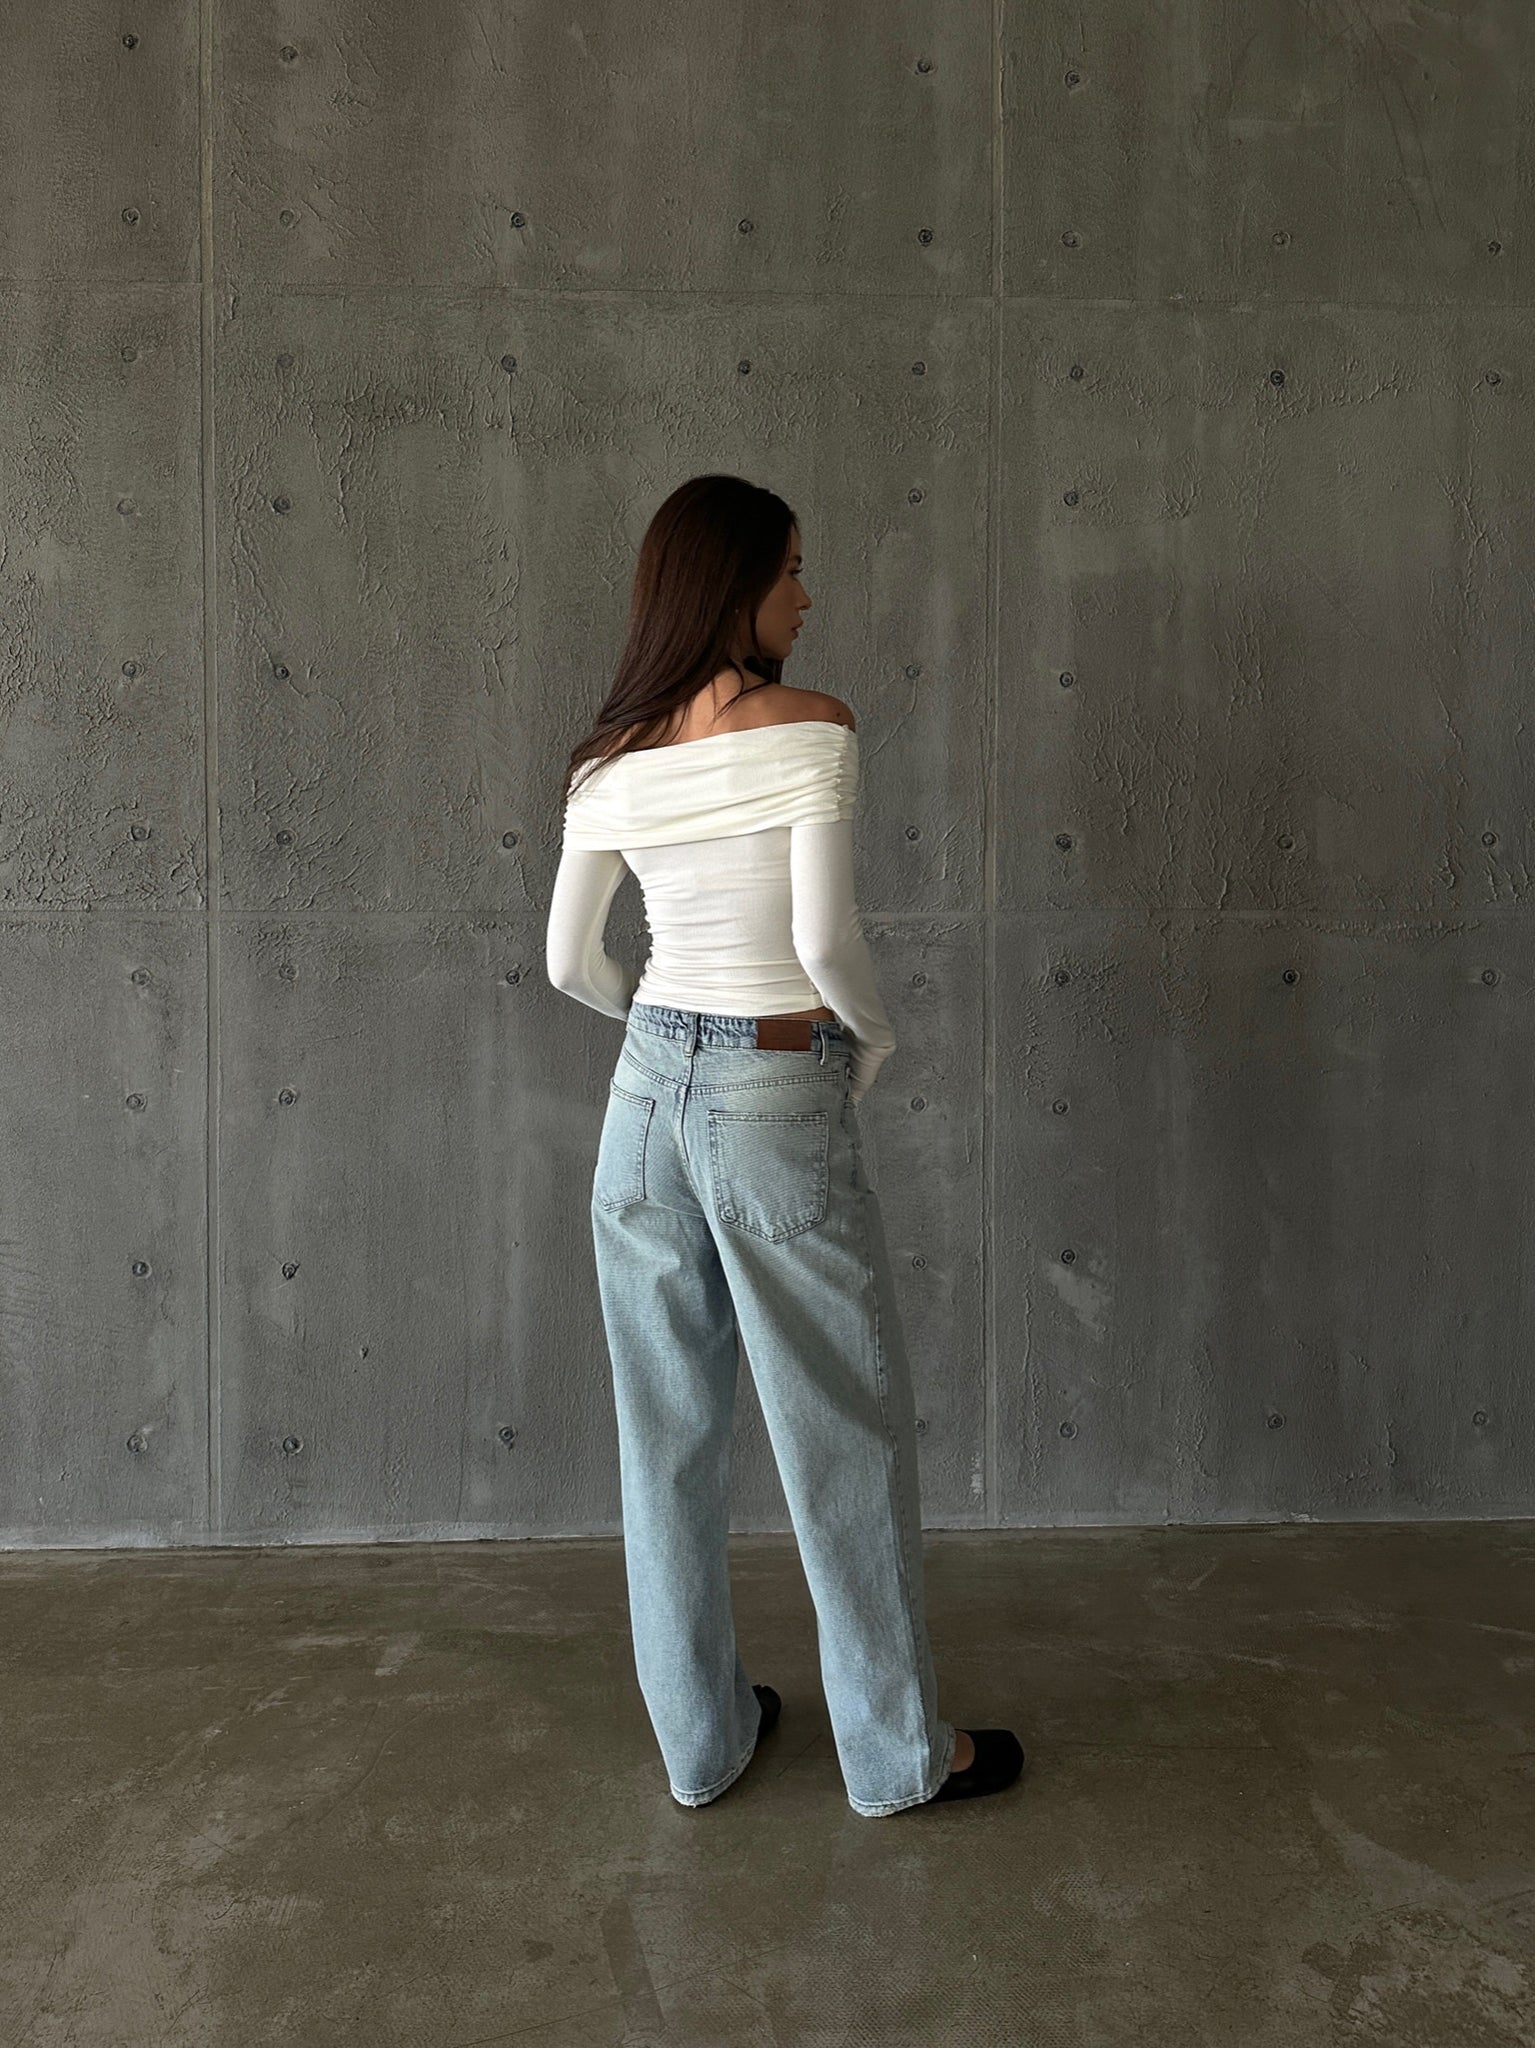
pixel 1153 384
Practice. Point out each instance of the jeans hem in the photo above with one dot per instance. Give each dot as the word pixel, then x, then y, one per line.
pixel 724 1784
pixel 884 1806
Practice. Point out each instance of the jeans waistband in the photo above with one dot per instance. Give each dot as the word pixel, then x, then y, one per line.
pixel 695 1029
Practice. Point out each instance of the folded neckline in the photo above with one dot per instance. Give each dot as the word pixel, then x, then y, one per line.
pixel 746 733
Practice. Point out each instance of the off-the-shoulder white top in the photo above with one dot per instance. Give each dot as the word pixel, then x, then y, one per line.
pixel 743 845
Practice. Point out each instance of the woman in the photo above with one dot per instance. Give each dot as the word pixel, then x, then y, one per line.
pixel 730 1191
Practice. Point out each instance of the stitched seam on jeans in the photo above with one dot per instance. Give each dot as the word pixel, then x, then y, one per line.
pixel 697 1087
pixel 893 1483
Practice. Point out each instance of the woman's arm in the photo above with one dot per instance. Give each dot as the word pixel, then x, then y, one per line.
pixel 829 941
pixel 574 954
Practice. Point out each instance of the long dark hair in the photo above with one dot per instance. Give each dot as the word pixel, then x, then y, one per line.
pixel 710 556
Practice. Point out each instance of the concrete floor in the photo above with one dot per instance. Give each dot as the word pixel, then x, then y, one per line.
pixel 1281 1789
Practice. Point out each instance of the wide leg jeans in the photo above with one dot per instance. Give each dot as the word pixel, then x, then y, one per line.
pixel 730 1194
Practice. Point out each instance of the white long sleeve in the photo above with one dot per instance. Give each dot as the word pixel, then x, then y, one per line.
pixel 743 846
pixel 575 954
pixel 830 943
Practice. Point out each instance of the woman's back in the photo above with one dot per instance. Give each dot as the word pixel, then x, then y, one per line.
pixel 738 822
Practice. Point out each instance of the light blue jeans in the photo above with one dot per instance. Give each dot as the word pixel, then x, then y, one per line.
pixel 730 1195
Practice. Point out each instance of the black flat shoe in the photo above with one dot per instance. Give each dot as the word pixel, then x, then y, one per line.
pixel 772 1707
pixel 997 1762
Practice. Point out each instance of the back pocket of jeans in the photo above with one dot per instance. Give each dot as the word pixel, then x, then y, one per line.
pixel 620 1175
pixel 770 1169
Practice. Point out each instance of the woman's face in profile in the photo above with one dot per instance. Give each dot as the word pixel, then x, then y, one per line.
pixel 778 616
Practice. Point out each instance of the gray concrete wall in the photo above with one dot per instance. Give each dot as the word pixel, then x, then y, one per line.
pixel 1154 386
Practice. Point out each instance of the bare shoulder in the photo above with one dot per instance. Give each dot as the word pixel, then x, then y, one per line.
pixel 720 707
pixel 784 704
